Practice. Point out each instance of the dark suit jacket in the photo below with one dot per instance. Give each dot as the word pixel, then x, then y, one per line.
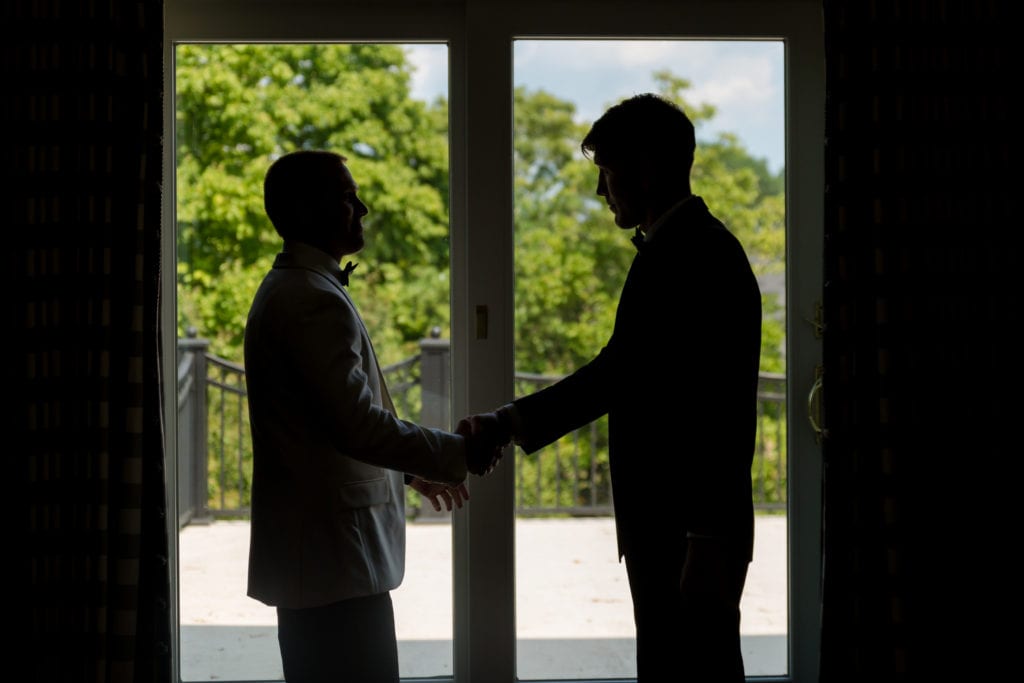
pixel 678 380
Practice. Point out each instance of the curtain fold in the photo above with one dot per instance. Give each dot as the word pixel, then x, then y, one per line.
pixel 919 247
pixel 84 103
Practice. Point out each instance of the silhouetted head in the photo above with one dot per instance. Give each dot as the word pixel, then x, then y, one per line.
pixel 310 196
pixel 643 148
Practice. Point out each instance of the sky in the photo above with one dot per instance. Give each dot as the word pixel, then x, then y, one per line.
pixel 743 79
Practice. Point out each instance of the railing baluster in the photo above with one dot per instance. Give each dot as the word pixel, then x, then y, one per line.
pixel 225 377
pixel 240 454
pixel 557 454
pixel 593 465
pixel 538 500
pixel 575 468
pixel 760 456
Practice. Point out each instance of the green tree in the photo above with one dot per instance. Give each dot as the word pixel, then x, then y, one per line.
pixel 571 261
pixel 239 107
pixel 571 258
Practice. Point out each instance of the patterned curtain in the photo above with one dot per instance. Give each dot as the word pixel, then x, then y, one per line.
pixel 919 246
pixel 82 216
pixel 919 242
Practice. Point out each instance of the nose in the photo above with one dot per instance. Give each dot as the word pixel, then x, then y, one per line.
pixel 602 187
pixel 361 208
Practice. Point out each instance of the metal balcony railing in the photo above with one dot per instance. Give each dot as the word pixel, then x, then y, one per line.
pixel 568 478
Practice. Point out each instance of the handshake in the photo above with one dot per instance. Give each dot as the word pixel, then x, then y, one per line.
pixel 486 435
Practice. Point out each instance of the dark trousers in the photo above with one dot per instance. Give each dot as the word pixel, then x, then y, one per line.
pixel 691 642
pixel 351 641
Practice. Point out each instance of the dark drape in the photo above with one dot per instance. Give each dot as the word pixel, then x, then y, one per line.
pixel 919 245
pixel 83 105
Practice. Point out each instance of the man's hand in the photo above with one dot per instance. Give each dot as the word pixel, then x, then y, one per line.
pixel 435 493
pixel 486 437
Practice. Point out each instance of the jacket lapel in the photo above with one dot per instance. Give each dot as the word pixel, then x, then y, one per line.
pixel 285 260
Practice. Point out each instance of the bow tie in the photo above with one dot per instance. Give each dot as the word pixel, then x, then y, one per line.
pixel 345 272
pixel 638 240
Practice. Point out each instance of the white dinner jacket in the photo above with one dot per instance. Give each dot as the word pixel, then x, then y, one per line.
pixel 329 454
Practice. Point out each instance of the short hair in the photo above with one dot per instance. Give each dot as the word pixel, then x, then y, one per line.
pixel 643 130
pixel 295 186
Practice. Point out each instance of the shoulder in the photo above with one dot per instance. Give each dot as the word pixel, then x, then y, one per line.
pixel 303 298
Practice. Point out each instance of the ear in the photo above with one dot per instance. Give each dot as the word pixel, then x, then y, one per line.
pixel 658 184
pixel 652 184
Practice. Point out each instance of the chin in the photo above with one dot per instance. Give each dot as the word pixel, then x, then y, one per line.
pixel 356 245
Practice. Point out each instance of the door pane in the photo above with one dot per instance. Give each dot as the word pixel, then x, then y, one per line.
pixel 239 107
pixel 573 609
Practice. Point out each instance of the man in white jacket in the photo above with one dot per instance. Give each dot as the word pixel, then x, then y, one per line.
pixel 330 456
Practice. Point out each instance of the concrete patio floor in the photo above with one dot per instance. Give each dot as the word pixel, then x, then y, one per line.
pixel 573 611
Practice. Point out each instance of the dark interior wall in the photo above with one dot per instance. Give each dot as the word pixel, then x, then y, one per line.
pixel 920 302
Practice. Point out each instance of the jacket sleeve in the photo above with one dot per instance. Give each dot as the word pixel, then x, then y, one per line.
pixel 574 401
pixel 336 361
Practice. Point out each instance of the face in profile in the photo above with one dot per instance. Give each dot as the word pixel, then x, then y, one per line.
pixel 344 212
pixel 623 192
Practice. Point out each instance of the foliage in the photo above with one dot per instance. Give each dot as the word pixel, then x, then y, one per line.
pixel 572 473
pixel 239 107
pixel 570 257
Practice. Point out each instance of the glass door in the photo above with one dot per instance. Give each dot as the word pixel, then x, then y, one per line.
pixel 238 107
pixel 573 608
pixel 485 592
pixel 516 592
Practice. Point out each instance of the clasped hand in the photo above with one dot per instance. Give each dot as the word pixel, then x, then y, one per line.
pixel 438 493
pixel 485 441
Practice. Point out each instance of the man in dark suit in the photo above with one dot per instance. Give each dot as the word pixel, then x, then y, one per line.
pixel 678 381
pixel 330 455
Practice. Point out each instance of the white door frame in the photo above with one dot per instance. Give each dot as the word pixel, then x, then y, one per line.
pixel 479 34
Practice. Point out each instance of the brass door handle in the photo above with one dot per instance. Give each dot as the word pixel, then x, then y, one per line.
pixel 814 406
